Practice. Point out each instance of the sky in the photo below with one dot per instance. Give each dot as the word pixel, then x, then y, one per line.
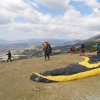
pixel 57 19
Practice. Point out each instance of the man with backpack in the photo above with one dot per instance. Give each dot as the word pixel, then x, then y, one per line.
pixel 48 49
pixel 98 50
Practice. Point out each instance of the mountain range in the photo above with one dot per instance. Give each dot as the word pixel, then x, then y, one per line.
pixel 22 49
pixel 2 41
pixel 4 44
pixel 91 40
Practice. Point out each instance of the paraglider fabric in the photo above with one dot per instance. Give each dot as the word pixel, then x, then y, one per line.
pixel 89 67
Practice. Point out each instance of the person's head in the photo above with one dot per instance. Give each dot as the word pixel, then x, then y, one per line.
pixel 46 41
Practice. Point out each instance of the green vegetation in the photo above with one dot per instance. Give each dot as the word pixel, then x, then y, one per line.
pixel 88 48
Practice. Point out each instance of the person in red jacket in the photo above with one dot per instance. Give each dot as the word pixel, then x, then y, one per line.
pixel 72 49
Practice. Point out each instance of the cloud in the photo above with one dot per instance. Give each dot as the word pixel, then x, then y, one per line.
pixel 71 25
pixel 93 4
pixel 55 4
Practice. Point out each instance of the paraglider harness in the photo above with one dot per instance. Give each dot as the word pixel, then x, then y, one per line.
pixel 49 48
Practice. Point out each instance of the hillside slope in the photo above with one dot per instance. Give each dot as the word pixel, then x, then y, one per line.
pixel 15 83
pixel 92 40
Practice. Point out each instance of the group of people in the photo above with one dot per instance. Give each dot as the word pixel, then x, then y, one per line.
pixel 82 49
pixel 47 49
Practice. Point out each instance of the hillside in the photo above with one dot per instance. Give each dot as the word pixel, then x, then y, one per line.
pixel 23 52
pixel 94 39
pixel 16 85
pixel 88 48
pixel 32 48
pixel 91 40
pixel 90 44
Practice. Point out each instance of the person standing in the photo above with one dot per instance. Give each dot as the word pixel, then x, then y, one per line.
pixel 98 50
pixel 72 49
pixel 82 49
pixel 9 56
pixel 47 49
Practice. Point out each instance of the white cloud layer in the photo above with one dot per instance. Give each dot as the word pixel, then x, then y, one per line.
pixel 92 3
pixel 56 4
pixel 71 25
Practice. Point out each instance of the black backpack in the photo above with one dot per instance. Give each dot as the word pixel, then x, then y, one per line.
pixel 50 48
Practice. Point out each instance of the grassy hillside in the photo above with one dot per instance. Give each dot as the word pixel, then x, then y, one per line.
pixel 15 83
pixel 89 47
pixel 93 39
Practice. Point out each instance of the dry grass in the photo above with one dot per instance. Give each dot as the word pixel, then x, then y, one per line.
pixel 15 83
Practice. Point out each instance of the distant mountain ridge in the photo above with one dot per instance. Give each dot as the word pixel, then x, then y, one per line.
pixel 54 42
pixel 26 43
pixel 2 41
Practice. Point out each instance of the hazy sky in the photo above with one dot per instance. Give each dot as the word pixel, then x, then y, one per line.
pixel 68 19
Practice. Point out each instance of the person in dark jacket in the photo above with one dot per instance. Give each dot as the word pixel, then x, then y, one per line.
pixel 98 50
pixel 82 49
pixel 9 56
pixel 47 49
